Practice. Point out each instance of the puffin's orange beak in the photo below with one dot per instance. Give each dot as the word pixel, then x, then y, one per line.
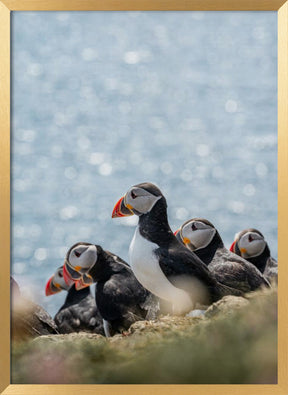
pixel 80 284
pixel 120 210
pixel 232 248
pixel 51 288
pixel 68 275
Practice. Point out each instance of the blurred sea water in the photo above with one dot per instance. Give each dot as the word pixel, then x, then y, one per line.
pixel 105 100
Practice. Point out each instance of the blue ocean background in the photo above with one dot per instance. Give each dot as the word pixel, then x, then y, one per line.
pixel 105 100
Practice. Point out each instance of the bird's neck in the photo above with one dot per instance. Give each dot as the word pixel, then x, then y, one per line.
pixel 75 296
pixel 154 225
pixel 260 261
pixel 105 266
pixel 206 254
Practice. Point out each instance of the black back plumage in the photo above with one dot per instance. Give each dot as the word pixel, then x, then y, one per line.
pixel 229 268
pixel 121 299
pixel 79 313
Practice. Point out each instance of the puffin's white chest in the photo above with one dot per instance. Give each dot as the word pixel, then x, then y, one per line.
pixel 146 268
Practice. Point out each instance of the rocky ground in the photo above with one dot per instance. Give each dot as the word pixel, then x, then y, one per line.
pixel 234 342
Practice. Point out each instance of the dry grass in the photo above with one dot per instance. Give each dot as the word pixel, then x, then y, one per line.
pixel 236 343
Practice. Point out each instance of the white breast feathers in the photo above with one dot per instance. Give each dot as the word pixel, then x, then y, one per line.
pixel 146 268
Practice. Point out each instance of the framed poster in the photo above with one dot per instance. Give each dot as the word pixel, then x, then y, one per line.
pixel 128 105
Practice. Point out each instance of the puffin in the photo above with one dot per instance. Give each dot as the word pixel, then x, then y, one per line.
pixel 28 319
pixel 79 312
pixel 200 236
pixel 251 245
pixel 159 261
pixel 120 298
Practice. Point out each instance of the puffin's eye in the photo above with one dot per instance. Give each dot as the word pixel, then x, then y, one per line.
pixel 133 195
pixel 60 274
pixel 250 238
pixel 77 254
pixel 194 227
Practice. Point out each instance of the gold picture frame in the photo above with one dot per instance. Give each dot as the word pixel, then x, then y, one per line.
pixel 6 6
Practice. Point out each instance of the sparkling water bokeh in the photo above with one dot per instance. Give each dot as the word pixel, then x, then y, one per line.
pixel 105 100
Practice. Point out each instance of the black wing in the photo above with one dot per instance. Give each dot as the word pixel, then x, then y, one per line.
pixel 82 316
pixel 121 297
pixel 236 272
pixel 178 261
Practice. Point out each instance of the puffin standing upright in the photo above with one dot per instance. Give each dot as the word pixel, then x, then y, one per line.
pixel 159 261
pixel 120 298
pixel 79 311
pixel 201 237
pixel 251 245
